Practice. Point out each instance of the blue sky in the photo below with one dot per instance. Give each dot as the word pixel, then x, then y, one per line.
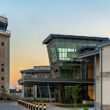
pixel 31 21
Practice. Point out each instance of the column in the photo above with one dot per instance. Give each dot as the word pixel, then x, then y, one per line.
pixel 49 92
pixel 95 81
pixel 35 91
pixel 22 91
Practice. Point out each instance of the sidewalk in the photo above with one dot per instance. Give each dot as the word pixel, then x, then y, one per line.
pixel 52 107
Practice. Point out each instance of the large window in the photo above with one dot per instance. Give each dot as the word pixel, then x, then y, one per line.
pixel 73 71
pixel 53 53
pixel 69 49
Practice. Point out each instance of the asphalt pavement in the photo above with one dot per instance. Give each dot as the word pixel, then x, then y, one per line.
pixel 11 106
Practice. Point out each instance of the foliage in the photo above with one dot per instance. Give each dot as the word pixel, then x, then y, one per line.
pixel 86 108
pixel 75 93
pixel 4 94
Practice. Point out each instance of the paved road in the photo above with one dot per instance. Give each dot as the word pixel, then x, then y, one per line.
pixel 15 106
pixel 11 106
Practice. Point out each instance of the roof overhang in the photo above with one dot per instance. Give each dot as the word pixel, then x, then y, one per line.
pixel 53 81
pixel 89 53
pixel 72 37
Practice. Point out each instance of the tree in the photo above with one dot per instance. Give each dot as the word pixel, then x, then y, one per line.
pixel 74 91
pixel 4 94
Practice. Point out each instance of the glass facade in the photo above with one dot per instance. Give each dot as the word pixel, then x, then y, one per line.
pixel 68 50
pixel 64 61
pixel 62 51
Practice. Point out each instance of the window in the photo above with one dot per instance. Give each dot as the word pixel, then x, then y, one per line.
pixel 2 78
pixel 2 64
pixel 2 43
pixel 2 86
pixel 2 69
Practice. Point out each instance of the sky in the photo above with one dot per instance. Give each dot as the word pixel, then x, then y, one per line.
pixel 31 21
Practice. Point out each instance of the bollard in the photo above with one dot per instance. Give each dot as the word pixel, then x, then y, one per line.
pixel 29 106
pixel 40 107
pixel 36 107
pixel 26 104
pixel 44 108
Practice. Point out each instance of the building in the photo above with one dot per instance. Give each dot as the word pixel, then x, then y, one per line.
pixel 4 55
pixel 100 55
pixel 63 52
pixel 15 94
pixel 31 89
pixel 67 69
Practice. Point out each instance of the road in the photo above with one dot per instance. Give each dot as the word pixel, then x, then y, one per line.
pixel 11 106
pixel 15 106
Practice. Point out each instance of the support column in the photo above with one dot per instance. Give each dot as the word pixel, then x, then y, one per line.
pixel 95 81
pixel 35 91
pixel 40 93
pixel 22 90
pixel 49 92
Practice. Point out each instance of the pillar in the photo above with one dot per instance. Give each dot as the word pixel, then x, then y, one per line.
pixel 35 91
pixel 49 92
pixel 22 90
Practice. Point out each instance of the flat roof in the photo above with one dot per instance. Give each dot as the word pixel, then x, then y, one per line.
pixel 59 36
pixel 29 71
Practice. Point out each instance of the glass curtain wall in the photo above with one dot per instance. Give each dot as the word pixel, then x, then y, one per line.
pixel 67 50
pixel 28 91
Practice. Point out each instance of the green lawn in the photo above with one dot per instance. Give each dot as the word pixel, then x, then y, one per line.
pixel 72 106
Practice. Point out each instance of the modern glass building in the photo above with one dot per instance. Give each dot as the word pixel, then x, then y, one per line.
pixel 67 70
pixel 63 51
pixel 31 89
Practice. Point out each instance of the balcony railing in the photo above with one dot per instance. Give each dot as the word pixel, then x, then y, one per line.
pixel 7 32
pixel 52 80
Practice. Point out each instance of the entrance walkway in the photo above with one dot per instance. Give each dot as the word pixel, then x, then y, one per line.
pixel 51 107
pixel 11 106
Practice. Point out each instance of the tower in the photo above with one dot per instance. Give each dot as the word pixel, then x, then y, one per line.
pixel 4 54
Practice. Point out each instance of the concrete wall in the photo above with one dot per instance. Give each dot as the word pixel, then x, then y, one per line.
pixel 4 61
pixel 105 79
pixel 98 83
pixel 106 59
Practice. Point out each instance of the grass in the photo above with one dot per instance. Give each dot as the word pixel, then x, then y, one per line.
pixel 72 106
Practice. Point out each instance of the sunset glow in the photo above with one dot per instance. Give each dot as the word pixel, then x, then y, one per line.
pixel 32 21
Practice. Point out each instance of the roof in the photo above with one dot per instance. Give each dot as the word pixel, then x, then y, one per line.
pixel 29 71
pixel 58 36
pixel 3 19
pixel 53 81
pixel 89 53
pixel 96 50
pixel 103 44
